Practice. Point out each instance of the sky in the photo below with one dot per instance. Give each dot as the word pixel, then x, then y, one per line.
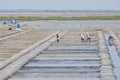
pixel 61 4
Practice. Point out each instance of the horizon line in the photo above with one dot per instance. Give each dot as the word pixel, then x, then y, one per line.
pixel 53 10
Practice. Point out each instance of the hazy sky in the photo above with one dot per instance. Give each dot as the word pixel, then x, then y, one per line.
pixel 61 4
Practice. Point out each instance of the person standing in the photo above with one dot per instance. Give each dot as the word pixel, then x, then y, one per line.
pixel 57 36
pixel 88 37
pixel 82 37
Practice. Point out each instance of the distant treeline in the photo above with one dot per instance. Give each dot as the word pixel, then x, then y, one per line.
pixel 32 18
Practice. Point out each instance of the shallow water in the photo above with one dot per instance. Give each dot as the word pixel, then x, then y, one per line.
pixel 62 64
pixel 75 25
pixel 115 58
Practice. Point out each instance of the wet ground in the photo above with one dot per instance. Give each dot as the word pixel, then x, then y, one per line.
pixel 72 59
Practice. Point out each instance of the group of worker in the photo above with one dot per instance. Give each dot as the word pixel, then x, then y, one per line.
pixel 87 37
pixel 83 37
